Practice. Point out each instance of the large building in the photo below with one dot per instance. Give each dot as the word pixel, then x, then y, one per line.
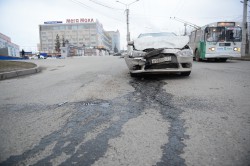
pixel 82 32
pixel 115 38
pixel 7 48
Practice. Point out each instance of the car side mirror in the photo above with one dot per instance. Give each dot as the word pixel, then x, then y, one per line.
pixel 130 43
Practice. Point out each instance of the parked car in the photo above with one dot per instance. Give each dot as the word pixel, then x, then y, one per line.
pixel 162 52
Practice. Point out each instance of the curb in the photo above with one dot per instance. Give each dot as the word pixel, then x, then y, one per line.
pixel 17 73
pixel 244 58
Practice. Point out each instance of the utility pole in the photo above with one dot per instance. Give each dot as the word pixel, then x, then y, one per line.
pixel 244 29
pixel 127 15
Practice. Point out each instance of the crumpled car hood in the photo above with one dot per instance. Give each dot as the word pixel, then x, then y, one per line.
pixel 174 42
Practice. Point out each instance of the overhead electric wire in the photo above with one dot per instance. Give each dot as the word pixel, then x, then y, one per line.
pixel 88 7
pixel 174 11
pixel 104 5
pixel 80 3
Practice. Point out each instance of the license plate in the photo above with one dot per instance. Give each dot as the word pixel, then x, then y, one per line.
pixel 160 60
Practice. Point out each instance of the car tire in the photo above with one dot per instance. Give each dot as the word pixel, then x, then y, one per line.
pixel 187 73
pixel 197 56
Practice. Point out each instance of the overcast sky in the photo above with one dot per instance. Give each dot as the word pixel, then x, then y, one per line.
pixel 19 19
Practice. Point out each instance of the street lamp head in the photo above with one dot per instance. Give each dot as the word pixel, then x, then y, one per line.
pixel 127 5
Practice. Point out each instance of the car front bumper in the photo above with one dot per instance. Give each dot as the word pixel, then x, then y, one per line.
pixel 178 64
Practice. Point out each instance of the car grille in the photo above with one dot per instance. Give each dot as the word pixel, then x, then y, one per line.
pixel 163 65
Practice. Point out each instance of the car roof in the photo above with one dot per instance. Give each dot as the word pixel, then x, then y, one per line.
pixel 155 34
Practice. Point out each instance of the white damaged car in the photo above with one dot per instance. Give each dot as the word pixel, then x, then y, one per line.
pixel 158 53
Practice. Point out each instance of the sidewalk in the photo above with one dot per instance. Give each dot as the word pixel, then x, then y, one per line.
pixel 244 58
pixel 11 69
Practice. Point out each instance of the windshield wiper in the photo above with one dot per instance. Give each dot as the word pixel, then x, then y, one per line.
pixel 233 41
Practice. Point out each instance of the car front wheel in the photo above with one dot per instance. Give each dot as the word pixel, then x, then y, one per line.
pixel 186 73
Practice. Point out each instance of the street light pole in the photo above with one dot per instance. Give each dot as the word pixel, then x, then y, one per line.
pixel 128 33
pixel 244 28
pixel 127 15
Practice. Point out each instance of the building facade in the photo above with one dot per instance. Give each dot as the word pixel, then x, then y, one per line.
pixel 7 48
pixel 85 33
pixel 115 38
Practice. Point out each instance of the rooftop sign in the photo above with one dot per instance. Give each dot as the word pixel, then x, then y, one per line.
pixel 226 24
pixel 53 22
pixel 81 20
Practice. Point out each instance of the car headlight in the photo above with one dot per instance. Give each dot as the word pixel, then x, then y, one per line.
pixel 186 52
pixel 137 54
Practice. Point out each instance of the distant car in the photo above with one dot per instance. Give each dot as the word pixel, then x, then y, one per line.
pixel 123 54
pixel 33 57
pixel 162 52
pixel 42 57
pixel 117 54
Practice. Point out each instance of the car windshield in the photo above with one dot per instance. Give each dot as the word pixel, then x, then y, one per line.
pixel 156 34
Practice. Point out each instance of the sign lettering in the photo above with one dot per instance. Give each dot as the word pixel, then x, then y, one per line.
pixel 81 20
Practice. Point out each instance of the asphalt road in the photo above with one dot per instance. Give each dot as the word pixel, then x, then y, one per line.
pixel 89 111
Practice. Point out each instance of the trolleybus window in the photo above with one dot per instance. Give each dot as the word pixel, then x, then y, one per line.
pixel 233 34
